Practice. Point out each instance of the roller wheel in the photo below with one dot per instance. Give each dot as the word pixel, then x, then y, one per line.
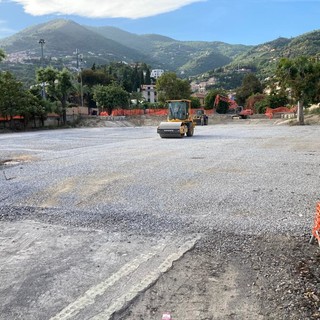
pixel 190 130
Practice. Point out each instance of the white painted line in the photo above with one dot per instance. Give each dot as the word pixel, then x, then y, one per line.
pixel 89 296
pixel 146 282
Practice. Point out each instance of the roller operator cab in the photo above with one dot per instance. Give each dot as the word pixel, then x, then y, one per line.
pixel 179 120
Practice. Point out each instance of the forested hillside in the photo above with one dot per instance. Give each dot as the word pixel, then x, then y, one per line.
pixel 65 40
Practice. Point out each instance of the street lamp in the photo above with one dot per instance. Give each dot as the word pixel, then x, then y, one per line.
pixel 79 69
pixel 42 42
pixel 81 57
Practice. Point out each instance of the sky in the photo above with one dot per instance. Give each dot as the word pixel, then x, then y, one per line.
pixel 249 22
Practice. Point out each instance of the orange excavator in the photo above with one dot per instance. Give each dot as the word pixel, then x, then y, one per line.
pixel 233 109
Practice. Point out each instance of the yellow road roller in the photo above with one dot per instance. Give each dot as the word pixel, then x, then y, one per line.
pixel 179 120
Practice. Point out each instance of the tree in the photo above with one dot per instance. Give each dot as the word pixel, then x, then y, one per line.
pixel 15 100
pixel 136 98
pixel 12 94
pixel 147 79
pixel 2 55
pixel 301 77
pixel 59 86
pixel 110 97
pixel 33 107
pixel 250 85
pixel 170 87
pixel 93 77
pixel 210 98
pixel 195 102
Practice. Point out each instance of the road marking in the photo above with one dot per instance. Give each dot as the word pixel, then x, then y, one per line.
pixel 89 296
pixel 146 282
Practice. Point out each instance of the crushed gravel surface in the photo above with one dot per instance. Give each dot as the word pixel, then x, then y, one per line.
pixel 248 189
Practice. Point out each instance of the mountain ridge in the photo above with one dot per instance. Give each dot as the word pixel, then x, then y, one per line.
pixel 102 45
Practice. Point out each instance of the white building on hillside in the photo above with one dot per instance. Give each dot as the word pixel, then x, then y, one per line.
pixel 156 73
pixel 149 93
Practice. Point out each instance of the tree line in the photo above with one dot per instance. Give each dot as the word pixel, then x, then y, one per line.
pixel 295 81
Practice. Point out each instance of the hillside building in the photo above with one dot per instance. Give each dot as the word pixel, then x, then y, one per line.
pixel 149 93
pixel 156 73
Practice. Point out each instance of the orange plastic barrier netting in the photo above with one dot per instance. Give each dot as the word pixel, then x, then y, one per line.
pixel 137 112
pixel 316 228
pixel 270 112
pixel 8 118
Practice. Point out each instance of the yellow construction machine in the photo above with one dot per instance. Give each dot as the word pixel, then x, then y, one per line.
pixel 179 120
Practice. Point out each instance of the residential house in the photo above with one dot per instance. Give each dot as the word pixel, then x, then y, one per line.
pixel 149 93
pixel 156 73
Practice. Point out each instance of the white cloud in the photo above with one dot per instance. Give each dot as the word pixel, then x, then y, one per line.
pixel 103 8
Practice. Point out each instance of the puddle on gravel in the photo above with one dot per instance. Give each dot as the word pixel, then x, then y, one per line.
pixel 16 160
pixel 9 162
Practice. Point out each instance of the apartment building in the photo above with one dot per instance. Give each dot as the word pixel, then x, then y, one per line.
pixel 156 73
pixel 149 93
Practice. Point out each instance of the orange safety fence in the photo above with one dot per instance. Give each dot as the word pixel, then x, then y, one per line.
pixel 11 118
pixel 316 228
pixel 137 112
pixel 270 112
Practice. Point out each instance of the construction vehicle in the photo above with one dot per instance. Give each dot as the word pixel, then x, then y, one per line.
pixel 179 120
pixel 200 118
pixel 233 109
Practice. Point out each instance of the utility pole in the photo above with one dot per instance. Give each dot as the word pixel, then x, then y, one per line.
pixel 43 92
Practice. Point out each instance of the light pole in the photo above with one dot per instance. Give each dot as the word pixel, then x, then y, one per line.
pixel 79 69
pixel 81 82
pixel 42 42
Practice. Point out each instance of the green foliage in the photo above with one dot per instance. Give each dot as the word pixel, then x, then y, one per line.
pixel 301 76
pixel 110 97
pixel 277 100
pixel 63 36
pixel 203 63
pixel 195 102
pixel 187 58
pixel 210 98
pixel 137 99
pixel 250 85
pixel 226 80
pixel 259 102
pixel 33 108
pixel 12 95
pixel 15 100
pixel 170 87
pixel 92 77
pixel 106 45
pixel 2 55
pixel 59 86
pixel 148 77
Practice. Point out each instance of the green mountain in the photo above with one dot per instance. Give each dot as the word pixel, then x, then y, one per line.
pixel 263 58
pixel 63 37
pixel 102 45
pixel 185 57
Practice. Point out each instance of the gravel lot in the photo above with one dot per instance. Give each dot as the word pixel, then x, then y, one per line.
pixel 230 211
